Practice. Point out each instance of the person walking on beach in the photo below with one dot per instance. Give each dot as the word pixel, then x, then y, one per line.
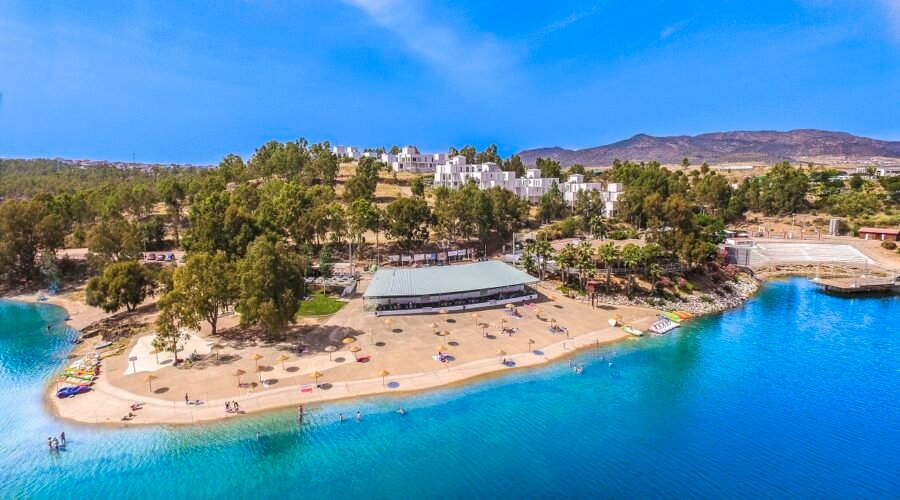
pixel 186 400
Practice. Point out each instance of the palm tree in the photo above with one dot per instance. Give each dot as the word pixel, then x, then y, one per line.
pixel 654 271
pixel 608 253
pixel 566 259
pixel 631 257
pixel 584 260
pixel 543 251
pixel 649 254
pixel 598 226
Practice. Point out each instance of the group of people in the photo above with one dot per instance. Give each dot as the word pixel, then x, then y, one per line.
pixel 341 417
pixel 232 407
pixel 54 444
pixel 577 368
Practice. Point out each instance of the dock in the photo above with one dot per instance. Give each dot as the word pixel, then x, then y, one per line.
pixel 859 285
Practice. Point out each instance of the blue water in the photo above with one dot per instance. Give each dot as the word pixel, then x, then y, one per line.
pixel 796 394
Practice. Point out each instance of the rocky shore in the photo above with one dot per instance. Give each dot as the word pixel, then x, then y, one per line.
pixel 727 296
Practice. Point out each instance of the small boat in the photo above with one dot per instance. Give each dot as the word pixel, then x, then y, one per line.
pixel 71 390
pixel 684 314
pixel 102 344
pixel 632 330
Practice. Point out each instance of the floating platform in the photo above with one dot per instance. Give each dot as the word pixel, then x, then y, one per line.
pixel 858 286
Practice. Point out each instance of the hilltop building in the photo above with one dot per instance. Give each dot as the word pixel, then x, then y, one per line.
pixel 456 172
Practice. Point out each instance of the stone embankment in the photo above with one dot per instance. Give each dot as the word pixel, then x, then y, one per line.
pixel 729 295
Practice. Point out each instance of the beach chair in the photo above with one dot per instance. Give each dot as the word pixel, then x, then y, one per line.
pixel 306 388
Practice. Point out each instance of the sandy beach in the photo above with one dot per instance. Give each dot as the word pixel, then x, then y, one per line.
pixel 403 348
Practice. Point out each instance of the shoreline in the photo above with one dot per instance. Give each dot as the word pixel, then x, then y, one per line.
pixel 161 412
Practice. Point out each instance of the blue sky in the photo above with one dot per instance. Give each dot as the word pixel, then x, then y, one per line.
pixel 175 81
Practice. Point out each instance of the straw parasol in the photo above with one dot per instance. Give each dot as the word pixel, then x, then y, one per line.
pixel 501 352
pixel 441 347
pixel 530 342
pixel 256 357
pixel 282 358
pixel 355 349
pixel 504 321
pixel 259 371
pixel 443 311
pixel 476 316
pixel 510 306
pixel 538 311
pixel 216 346
pixel 443 333
pixel 315 376
pixel 383 373
pixel 237 373
pixel 330 349
pixel 434 327
pixel 348 340
pixel 484 327
pixel 149 379
pixel 388 322
pixel 156 351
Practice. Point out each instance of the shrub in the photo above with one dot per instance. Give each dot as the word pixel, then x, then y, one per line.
pixel 890 245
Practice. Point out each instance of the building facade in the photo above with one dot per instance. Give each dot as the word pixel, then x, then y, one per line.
pixel 456 172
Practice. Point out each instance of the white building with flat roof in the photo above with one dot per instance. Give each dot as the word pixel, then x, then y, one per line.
pixel 351 152
pixel 409 159
pixel 456 172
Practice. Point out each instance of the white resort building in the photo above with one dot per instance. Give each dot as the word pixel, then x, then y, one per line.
pixel 351 152
pixel 456 172
pixel 409 159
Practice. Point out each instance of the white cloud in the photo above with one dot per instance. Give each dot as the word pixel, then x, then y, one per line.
pixel 570 19
pixel 470 60
pixel 672 29
pixel 892 10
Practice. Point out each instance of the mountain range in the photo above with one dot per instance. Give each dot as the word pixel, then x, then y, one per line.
pixel 727 147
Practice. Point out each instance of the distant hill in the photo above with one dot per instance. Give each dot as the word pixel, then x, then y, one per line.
pixel 722 147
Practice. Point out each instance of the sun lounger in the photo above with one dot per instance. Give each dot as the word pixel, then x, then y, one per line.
pixel 306 388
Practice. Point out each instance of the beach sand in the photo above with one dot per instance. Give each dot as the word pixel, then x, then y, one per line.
pixel 404 348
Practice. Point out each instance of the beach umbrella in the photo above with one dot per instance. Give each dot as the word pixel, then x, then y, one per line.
pixel 283 358
pixel 259 371
pixel 216 348
pixel 434 327
pixel 256 357
pixel 476 316
pixel 330 349
pixel 443 311
pixel 538 311
pixel 443 333
pixel 237 373
pixel 484 327
pixel 504 321
pixel 510 306
pixel 501 352
pixel 530 342
pixel 440 348
pixel 388 322
pixel 348 340
pixel 156 352
pixel 315 376
pixel 149 379
pixel 383 373
pixel 355 349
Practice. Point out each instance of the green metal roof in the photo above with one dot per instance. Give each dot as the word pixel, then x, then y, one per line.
pixel 405 282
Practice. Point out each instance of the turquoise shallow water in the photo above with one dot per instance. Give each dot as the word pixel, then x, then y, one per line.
pixel 794 394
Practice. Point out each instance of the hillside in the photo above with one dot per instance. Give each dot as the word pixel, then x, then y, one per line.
pixel 722 147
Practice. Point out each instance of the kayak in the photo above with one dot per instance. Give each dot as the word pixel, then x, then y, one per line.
pixel 672 316
pixel 632 330
pixel 684 314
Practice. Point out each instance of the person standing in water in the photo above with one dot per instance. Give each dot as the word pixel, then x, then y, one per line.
pixel 62 438
pixel 341 417
pixel 358 416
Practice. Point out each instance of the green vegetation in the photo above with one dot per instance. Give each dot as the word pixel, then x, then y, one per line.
pixel 320 304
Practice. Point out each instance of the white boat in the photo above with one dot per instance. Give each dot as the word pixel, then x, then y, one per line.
pixel 632 330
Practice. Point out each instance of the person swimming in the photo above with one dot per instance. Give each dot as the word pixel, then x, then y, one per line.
pixel 401 411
